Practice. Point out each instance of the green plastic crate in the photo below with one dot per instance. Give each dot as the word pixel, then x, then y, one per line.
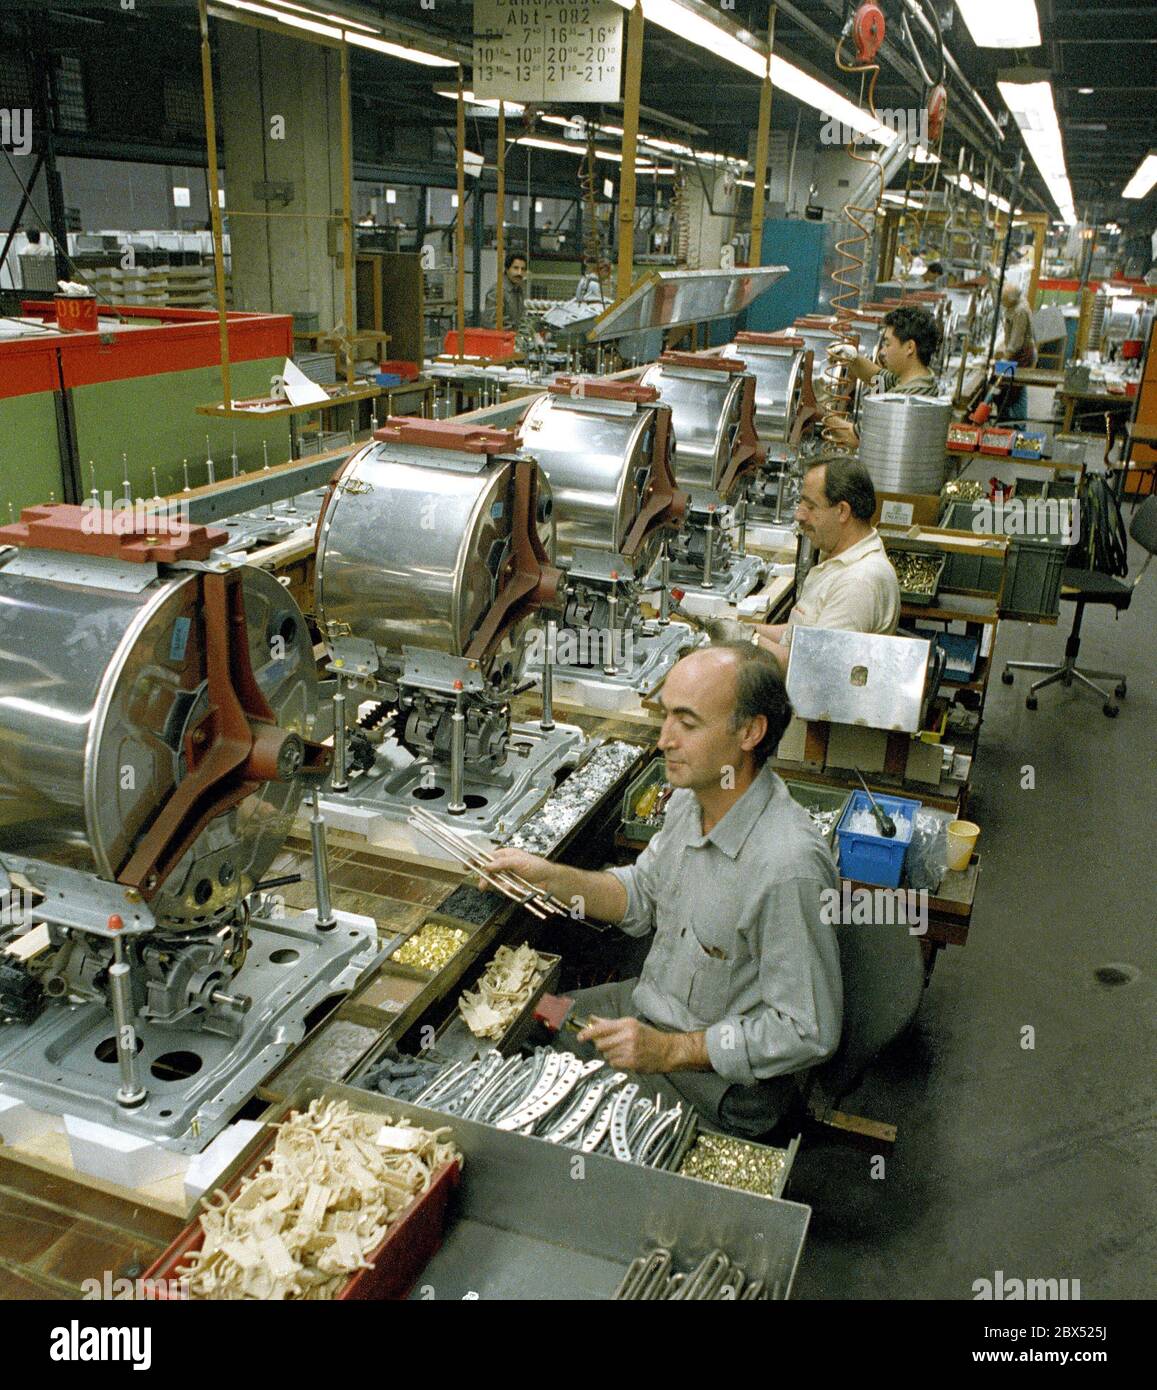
pixel 1032 583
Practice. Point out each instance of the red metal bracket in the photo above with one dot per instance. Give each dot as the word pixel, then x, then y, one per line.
pixel 528 580
pixel 769 339
pixel 235 748
pixel 90 531
pixel 747 454
pixel 708 364
pixel 664 504
pixel 447 434
pixel 603 390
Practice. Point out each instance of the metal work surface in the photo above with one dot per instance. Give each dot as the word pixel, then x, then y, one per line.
pixel 671 298
pixel 378 803
pixel 65 1062
pixel 858 678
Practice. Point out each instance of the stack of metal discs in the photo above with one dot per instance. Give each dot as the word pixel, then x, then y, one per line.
pixel 903 441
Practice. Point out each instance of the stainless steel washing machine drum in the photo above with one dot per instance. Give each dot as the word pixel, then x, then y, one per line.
pixel 118 738
pixel 422 544
pixel 606 450
pixel 712 404
pixel 781 366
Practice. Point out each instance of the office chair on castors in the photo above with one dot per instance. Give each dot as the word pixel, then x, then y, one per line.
pixel 1091 586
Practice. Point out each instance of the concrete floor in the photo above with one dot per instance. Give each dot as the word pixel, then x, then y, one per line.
pixel 1039 1163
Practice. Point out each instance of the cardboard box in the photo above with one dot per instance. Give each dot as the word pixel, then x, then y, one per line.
pixel 906 508
pixel 791 746
pixel 854 745
pixel 924 763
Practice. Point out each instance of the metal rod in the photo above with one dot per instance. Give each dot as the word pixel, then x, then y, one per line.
pixel 339 782
pixel 131 1093
pixel 454 839
pixel 627 174
pixel 469 859
pixel 457 803
pixel 609 667
pixel 547 721
pixel 709 549
pixel 347 215
pixel 759 192
pixel 215 202
pixel 741 524
pixel 460 225
pixel 326 920
pixel 500 246
pixel 665 585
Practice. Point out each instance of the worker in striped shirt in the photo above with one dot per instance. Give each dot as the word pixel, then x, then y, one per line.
pixel 908 345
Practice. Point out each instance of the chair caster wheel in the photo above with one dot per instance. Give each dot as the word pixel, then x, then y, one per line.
pixel 1121 691
pixel 1111 711
pixel 1006 677
pixel 1030 702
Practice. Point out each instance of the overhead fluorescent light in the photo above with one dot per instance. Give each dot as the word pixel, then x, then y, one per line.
pixel 333 18
pixel 1143 180
pixel 489 103
pixel 608 188
pixel 1085 91
pixel 704 33
pixel 398 50
pixel 1032 107
pixel 1001 23
pixel 539 142
pixel 347 31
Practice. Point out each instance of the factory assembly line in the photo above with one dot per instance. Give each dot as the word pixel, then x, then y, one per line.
pixel 495 837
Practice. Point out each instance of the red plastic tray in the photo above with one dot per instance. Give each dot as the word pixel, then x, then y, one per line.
pixel 404 1252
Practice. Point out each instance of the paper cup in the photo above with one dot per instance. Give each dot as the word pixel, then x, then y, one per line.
pixel 962 837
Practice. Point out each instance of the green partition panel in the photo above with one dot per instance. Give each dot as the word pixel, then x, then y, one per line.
pixel 29 456
pixel 153 422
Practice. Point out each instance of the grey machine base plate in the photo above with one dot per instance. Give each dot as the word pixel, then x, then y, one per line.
pixel 652 656
pixel 378 803
pixel 53 1065
pixel 744 577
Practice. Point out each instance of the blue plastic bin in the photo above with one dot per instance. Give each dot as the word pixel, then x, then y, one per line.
pixel 872 858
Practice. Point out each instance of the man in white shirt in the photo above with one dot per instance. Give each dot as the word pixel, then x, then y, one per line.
pixel 854 586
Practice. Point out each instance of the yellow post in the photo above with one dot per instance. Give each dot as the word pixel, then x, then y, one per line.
pixel 633 82
pixel 762 140
pixel 501 248
pixel 347 217
pixel 214 202
pixel 460 228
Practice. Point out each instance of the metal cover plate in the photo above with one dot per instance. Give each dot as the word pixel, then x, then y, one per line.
pixel 858 678
pixel 671 298
pixel 93 571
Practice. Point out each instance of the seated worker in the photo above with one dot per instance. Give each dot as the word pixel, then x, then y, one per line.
pixel 741 991
pixel 513 298
pixel 854 585
pixel 908 345
pixel 1019 347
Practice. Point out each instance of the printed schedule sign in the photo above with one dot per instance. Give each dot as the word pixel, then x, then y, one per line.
pixel 548 50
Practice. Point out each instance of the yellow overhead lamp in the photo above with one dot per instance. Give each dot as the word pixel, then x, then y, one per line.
pixel 1141 184
pixel 1001 23
pixel 337 29
pixel 687 20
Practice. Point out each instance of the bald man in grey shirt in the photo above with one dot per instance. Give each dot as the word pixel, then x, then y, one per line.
pixel 740 993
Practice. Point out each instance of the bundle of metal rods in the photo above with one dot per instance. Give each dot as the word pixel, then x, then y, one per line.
pixel 537 901
pixel 715 1278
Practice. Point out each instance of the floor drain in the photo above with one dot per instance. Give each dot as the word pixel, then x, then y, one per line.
pixel 1115 974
